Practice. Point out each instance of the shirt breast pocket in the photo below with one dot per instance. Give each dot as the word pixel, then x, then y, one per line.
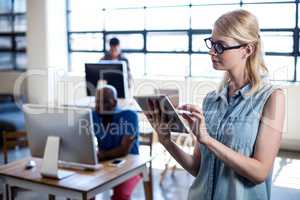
pixel 211 123
pixel 239 132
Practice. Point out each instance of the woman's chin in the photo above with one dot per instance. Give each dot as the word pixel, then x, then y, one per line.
pixel 217 66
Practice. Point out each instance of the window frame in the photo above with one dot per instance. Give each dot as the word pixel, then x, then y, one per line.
pixel 190 32
pixel 13 34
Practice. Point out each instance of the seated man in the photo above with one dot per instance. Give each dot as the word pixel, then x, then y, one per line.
pixel 117 134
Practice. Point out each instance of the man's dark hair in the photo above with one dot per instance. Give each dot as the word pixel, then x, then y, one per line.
pixel 114 41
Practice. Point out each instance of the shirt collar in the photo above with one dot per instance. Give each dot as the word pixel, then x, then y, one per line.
pixel 117 109
pixel 244 90
pixel 223 93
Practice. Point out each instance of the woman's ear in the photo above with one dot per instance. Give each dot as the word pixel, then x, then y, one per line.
pixel 249 50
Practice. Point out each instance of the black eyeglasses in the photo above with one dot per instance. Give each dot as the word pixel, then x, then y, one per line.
pixel 219 48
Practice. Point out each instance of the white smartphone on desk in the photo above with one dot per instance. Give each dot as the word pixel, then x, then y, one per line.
pixel 116 162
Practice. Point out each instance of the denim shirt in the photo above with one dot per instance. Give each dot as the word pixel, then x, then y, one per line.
pixel 233 121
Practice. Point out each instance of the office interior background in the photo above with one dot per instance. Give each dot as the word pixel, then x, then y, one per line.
pixel 45 43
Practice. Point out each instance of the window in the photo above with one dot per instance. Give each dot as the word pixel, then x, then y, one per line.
pixel 6 60
pixel 127 19
pixel 202 66
pixel 20 23
pixel 12 35
pixel 171 64
pixel 5 6
pixel 284 41
pixel 20 42
pixel 167 37
pixel 5 24
pixel 86 16
pixel 203 17
pixel 167 41
pixel 122 4
pixel 280 67
pixel 137 61
pixel 129 41
pixel 80 58
pixel 201 2
pixel 87 41
pixel 167 18
pixel 21 60
pixel 158 3
pixel 19 6
pixel 298 70
pixel 198 44
pixel 283 13
pixel 5 42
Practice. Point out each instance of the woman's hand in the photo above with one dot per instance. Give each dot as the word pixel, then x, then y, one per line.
pixel 196 122
pixel 159 121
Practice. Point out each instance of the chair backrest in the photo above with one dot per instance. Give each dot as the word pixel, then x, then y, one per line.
pixel 146 138
pixel 146 132
pixel 12 140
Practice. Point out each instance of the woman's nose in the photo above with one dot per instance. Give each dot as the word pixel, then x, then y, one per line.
pixel 212 51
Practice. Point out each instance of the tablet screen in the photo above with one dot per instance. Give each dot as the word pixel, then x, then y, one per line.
pixel 174 121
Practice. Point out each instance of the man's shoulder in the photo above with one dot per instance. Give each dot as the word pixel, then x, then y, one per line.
pixel 95 115
pixel 106 56
pixel 123 57
pixel 128 114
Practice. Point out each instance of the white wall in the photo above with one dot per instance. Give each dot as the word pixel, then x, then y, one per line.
pixel 46 47
pixel 291 136
pixel 7 81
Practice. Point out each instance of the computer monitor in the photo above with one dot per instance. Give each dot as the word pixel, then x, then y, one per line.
pixel 113 72
pixel 73 127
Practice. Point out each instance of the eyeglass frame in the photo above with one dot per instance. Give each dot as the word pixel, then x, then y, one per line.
pixel 213 44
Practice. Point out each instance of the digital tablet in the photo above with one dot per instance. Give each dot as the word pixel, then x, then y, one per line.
pixel 173 119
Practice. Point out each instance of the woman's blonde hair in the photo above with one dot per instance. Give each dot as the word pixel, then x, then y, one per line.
pixel 243 27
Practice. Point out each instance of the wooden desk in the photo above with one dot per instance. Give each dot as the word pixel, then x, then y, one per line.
pixel 82 186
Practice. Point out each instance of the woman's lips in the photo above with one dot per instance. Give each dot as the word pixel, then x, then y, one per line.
pixel 215 61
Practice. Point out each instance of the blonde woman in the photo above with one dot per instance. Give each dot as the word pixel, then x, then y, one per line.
pixel 239 129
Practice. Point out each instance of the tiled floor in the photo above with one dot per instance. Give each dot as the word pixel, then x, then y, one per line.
pixel 286 180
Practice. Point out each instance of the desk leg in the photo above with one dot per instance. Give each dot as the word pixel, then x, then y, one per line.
pixel 13 193
pixel 9 193
pixel 51 197
pixel 147 185
pixel 148 190
pixel 84 196
pixel 5 191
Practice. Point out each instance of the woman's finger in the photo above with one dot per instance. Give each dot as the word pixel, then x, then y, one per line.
pixel 190 107
pixel 199 117
pixel 157 112
pixel 200 126
pixel 149 117
pixel 151 114
pixel 150 106
pixel 189 119
pixel 164 117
